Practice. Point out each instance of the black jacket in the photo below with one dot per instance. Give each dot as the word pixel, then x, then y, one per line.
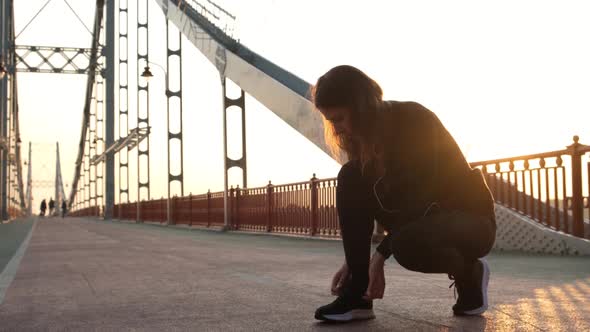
pixel 424 168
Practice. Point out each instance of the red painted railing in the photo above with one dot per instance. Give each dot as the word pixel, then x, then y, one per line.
pixel 91 211
pixel 14 211
pixel 534 185
pixel 547 187
pixel 304 208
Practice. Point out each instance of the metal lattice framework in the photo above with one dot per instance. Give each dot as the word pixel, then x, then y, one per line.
pixel 228 102
pixel 128 139
pixel 209 28
pixel 135 136
pixel 12 193
pixel 143 105
pixel 46 59
pixel 95 163
pixel 123 100
pixel 95 143
pixel 90 86
pixel 174 92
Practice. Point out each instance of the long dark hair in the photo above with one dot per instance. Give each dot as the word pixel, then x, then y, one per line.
pixel 348 87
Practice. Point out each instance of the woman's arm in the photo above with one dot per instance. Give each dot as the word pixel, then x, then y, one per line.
pixel 385 247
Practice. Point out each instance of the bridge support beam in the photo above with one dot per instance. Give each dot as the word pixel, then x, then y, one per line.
pixel 91 141
pixel 123 102
pixel 6 19
pixel 109 116
pixel 174 111
pixel 228 162
pixel 143 105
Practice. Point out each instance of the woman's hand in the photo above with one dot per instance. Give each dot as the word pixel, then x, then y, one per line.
pixel 339 279
pixel 376 286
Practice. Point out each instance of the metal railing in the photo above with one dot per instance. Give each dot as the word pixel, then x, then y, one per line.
pixel 547 187
pixel 303 208
pixel 15 211
pixel 91 211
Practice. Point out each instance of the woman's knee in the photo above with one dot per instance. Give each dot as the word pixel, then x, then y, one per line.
pixel 427 260
pixel 404 254
pixel 353 189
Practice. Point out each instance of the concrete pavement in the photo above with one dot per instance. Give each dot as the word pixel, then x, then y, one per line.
pixel 11 236
pixel 87 275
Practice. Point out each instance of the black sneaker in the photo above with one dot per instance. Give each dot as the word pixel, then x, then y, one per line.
pixel 458 292
pixel 345 309
pixel 473 299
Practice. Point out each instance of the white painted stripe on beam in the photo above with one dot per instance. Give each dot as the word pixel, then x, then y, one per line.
pixel 7 276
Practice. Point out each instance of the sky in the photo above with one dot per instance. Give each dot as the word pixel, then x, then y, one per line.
pixel 505 77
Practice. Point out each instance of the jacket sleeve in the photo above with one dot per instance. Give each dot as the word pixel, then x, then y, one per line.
pixel 385 248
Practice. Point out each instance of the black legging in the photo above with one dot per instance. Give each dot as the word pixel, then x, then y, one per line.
pixel 441 242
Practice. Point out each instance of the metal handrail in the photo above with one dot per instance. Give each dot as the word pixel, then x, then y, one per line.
pixel 309 209
pixel 550 154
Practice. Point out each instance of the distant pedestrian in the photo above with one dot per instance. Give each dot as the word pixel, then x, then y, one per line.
pixel 51 206
pixel 43 207
pixel 64 207
pixel 406 171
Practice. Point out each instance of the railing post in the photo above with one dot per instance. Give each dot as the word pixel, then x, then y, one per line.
pixel 269 190
pixel 163 210
pixel 236 209
pixel 174 210
pixel 509 199
pixel 539 201
pixel 190 209
pixel 138 211
pixel 208 207
pixel 577 198
pixel 230 204
pixel 314 205
pixel 525 199
pixel 499 184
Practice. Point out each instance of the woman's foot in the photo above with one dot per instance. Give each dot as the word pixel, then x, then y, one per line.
pixel 345 309
pixel 473 291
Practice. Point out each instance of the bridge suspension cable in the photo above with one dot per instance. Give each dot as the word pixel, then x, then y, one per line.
pixel 89 93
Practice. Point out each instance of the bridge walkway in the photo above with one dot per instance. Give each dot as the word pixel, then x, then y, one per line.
pixel 88 274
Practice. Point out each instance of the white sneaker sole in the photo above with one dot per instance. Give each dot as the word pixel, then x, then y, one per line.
pixel 357 314
pixel 484 287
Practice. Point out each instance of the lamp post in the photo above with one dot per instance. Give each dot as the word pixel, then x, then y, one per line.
pixel 147 74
